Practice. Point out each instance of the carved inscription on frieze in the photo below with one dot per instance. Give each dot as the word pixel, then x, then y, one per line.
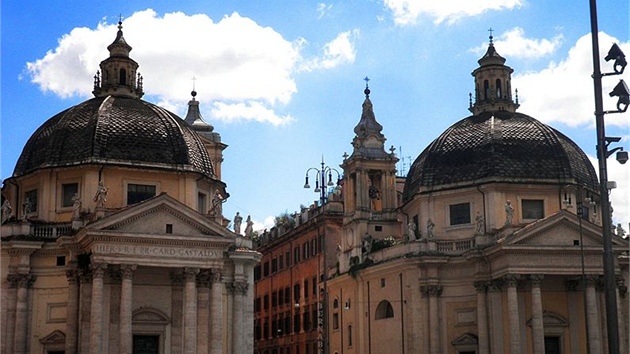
pixel 155 251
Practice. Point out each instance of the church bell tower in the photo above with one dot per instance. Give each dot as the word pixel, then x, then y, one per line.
pixel 370 198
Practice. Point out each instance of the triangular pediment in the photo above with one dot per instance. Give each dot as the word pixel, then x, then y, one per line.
pixel 56 337
pixel 161 215
pixel 560 229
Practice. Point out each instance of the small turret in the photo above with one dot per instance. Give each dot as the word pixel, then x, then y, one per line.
pixel 118 75
pixel 493 91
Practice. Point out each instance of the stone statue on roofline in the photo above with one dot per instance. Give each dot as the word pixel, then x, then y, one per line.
pixel 238 219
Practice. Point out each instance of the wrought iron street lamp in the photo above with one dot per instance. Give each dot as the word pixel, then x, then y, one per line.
pixel 323 181
pixel 620 91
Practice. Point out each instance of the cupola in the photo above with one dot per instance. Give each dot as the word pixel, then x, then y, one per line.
pixel 118 75
pixel 493 91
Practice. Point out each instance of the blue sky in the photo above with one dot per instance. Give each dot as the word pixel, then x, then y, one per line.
pixel 282 81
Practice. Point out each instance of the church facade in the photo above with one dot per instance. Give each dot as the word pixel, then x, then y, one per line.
pixel 113 237
pixel 493 244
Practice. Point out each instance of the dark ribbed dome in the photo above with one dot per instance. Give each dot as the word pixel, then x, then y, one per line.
pixel 115 130
pixel 498 146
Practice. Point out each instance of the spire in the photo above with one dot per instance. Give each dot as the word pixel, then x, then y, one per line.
pixel 368 140
pixel 118 75
pixel 195 120
pixel 493 91
pixel 193 116
pixel 119 46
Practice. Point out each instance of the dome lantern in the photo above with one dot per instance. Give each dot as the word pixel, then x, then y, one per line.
pixel 118 75
pixel 493 91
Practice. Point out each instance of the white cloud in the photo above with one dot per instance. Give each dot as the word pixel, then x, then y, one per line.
pixel 236 62
pixel 323 9
pixel 339 51
pixel 248 111
pixel 407 12
pixel 566 93
pixel 514 44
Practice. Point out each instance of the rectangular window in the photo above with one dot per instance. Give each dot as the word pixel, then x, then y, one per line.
pixel 335 323
pixel 266 302
pixel 266 269
pixel 281 262
pixel 139 192
pixel 296 322
pixel 349 335
pixel 533 209
pixel 296 255
pixel 169 228
pixel 274 265
pixel 288 257
pixel 287 295
pixel 280 297
pixel 306 289
pixel 274 299
pixel 202 202
pixel 305 250
pixel 307 319
pixel 257 273
pixel 314 286
pixel 296 292
pixel 30 201
pixel 68 191
pixel 460 213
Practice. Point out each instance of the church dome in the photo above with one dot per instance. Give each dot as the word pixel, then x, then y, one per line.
pixel 498 147
pixel 115 130
pixel 116 127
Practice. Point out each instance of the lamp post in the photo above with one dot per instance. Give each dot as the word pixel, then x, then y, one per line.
pixel 603 153
pixel 323 180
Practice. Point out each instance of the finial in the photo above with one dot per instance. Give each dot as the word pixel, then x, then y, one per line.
pixel 491 31
pixel 469 99
pixel 367 88
pixel 516 92
pixel 120 21
pixel 193 92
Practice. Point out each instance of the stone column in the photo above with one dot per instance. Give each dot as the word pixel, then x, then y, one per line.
pixel 239 289
pixel 113 340
pixel 513 315
pixel 190 311
pixel 495 294
pixel 621 317
pixel 433 292
pixel 537 315
pixel 72 316
pixel 96 309
pixel 482 317
pixel 203 298
pixel 592 316
pixel 216 314
pixel 9 326
pixel 85 303
pixel 21 307
pixel 126 308
pixel 177 304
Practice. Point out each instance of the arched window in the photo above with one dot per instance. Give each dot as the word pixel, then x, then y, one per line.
pixel 122 77
pixel 336 303
pixel 498 88
pixel 486 89
pixel 384 310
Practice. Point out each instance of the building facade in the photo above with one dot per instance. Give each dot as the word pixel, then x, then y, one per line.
pixel 493 245
pixel 290 299
pixel 113 238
